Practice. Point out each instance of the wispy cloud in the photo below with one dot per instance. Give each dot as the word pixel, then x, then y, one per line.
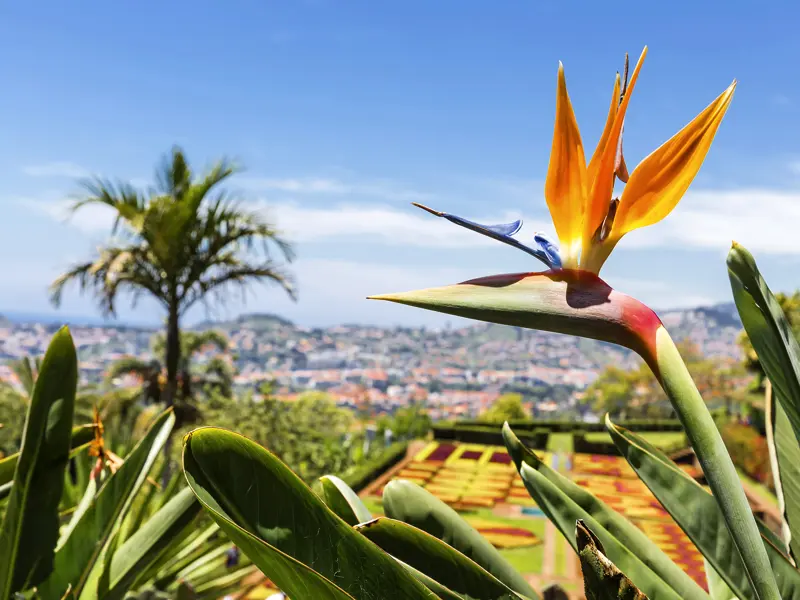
pixel 90 219
pixel 384 224
pixel 764 221
pixel 62 169
pixel 380 189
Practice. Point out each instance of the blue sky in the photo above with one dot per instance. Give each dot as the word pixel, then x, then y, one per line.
pixel 345 112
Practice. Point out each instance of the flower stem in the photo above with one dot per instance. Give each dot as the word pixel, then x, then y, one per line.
pixel 717 465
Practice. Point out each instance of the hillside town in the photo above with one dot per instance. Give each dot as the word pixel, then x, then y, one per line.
pixel 456 372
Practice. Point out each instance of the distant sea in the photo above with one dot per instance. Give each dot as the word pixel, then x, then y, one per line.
pixel 82 320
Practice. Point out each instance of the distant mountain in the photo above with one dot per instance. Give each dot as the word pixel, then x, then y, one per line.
pixel 255 321
pixel 714 329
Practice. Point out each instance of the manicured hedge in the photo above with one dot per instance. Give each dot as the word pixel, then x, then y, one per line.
pixel 490 435
pixel 749 451
pixel 583 445
pixel 362 475
pixel 576 426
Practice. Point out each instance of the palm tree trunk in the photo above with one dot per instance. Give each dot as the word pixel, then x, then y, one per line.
pixel 173 356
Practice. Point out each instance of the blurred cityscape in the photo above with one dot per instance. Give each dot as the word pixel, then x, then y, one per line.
pixel 456 372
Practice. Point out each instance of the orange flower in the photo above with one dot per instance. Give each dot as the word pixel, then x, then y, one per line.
pixel 588 219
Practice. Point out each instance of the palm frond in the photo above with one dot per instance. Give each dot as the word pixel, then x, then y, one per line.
pixel 122 197
pixel 130 365
pixel 193 342
pixel 239 276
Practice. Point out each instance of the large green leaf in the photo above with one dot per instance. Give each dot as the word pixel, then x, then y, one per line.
pixel 564 513
pixel 699 515
pixel 78 559
pixel 29 531
pixel 82 435
pixel 779 354
pixel 434 558
pixel 221 586
pixel 146 544
pixel 284 527
pixel 768 329
pixel 602 579
pixel 344 501
pixel 181 553
pixel 606 522
pixel 717 588
pixel 405 501
pixel 785 459
pixel 437 588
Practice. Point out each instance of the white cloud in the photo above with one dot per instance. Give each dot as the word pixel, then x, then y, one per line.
pixel 764 221
pixel 89 219
pixel 383 189
pixel 408 227
pixel 56 169
pixel 368 224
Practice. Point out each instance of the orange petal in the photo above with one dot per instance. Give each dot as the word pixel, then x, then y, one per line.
pixel 658 183
pixel 602 186
pixel 565 188
pixel 612 112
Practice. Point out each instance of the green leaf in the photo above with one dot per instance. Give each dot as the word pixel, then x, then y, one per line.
pixel 79 558
pixel 222 586
pixel 563 512
pixel 145 546
pixel 437 588
pixel 434 558
pixel 344 501
pixel 779 354
pixel 717 588
pixel 284 527
pixel 407 502
pixel 29 532
pixel 785 460
pixel 620 536
pixel 768 329
pixel 179 554
pixel 699 515
pixel 602 580
pixel 82 435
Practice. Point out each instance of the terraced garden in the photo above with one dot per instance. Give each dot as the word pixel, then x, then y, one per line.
pixel 482 483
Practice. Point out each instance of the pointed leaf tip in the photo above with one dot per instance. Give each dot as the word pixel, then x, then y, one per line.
pixel 428 209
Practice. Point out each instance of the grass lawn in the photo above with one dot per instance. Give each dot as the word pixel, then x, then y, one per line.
pixel 561 555
pixel 759 488
pixel 525 560
pixel 660 439
pixel 560 442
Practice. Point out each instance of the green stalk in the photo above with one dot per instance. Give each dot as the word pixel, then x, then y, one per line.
pixel 580 303
pixel 717 465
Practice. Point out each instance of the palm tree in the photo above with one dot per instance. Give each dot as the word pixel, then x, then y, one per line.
pixel 215 373
pixel 181 242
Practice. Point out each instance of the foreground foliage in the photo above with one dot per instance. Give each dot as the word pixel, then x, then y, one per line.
pixel 81 522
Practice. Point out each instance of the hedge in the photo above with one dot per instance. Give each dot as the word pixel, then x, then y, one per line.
pixel 575 426
pixel 749 452
pixel 489 435
pixel 362 475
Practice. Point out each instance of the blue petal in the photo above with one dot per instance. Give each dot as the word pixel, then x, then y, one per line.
pixel 499 232
pixel 550 248
pixel 545 250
